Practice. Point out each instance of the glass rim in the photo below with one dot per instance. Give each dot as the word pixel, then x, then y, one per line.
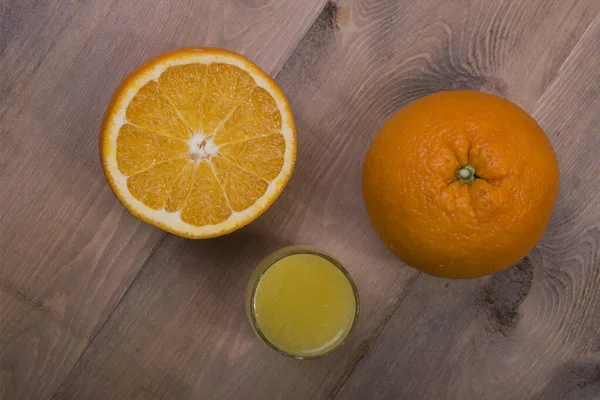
pixel 281 254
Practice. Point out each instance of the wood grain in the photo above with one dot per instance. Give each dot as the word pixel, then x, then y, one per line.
pixel 533 331
pixel 181 332
pixel 69 250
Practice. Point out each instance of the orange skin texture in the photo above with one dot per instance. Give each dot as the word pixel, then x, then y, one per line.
pixel 427 216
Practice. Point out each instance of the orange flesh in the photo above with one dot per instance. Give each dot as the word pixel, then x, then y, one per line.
pixel 202 140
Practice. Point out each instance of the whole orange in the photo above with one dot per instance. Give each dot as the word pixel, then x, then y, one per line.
pixel 460 184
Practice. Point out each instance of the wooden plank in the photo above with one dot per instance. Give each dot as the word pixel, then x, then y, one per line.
pixel 69 250
pixel 181 331
pixel 531 332
pixel 25 43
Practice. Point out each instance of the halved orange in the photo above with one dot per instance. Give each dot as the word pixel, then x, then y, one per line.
pixel 198 142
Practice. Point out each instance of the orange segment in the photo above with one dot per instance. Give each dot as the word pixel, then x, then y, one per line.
pixel 257 116
pixel 185 86
pixel 139 149
pixel 262 156
pixel 150 109
pixel 226 87
pixel 242 188
pixel 206 203
pixel 181 188
pixel 152 186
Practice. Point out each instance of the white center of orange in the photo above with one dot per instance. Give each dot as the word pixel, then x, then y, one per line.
pixel 202 147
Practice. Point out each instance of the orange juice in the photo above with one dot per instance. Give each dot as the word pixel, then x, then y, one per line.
pixel 302 302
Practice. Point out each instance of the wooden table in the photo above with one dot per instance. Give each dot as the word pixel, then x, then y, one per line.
pixel 97 305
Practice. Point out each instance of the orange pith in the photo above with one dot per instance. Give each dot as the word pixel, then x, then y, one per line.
pixel 198 142
pixel 434 221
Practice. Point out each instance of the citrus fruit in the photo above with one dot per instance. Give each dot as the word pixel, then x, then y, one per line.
pixel 460 184
pixel 198 142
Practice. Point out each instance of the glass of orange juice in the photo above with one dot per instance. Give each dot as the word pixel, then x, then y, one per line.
pixel 302 302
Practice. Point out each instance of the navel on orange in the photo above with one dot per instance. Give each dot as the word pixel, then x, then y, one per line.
pixel 460 184
pixel 198 142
